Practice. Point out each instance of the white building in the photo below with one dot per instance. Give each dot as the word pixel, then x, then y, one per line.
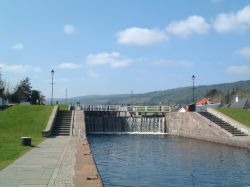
pixel 3 102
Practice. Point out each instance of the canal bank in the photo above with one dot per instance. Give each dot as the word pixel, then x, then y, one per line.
pixel 193 125
pixel 57 162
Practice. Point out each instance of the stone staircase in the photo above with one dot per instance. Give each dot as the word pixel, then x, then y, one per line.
pixel 231 129
pixel 62 123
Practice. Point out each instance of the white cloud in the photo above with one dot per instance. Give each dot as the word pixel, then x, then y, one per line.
pixel 122 63
pixel 19 68
pixel 92 73
pixel 102 58
pixel 17 46
pixel 174 62
pixel 69 29
pixel 238 69
pixel 114 59
pixel 244 52
pixel 140 36
pixel 239 21
pixel 68 66
pixel 191 25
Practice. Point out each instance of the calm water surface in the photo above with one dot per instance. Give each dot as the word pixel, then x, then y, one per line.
pixel 158 160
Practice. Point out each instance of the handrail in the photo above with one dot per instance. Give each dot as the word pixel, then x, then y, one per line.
pixel 119 108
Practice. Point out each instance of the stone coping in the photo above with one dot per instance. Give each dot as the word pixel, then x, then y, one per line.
pixel 47 131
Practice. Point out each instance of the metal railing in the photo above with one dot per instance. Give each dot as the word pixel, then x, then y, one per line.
pixel 118 108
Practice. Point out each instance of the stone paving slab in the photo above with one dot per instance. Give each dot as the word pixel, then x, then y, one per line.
pixel 36 167
pixel 61 161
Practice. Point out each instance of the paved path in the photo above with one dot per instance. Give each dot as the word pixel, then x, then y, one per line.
pixel 61 161
pixel 38 167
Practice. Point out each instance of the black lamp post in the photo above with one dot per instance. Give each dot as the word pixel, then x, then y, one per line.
pixel 52 84
pixel 193 77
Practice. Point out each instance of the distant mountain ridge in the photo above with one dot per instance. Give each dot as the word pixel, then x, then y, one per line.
pixel 182 95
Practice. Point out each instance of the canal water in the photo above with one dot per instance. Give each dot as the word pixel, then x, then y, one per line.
pixel 161 160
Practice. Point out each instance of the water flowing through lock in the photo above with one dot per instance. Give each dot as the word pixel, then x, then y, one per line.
pixel 125 125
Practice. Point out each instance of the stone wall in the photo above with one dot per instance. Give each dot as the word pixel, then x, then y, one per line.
pixel 193 125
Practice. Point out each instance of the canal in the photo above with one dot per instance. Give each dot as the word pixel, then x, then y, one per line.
pixel 161 160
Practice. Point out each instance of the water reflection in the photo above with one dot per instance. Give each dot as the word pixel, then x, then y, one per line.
pixel 158 160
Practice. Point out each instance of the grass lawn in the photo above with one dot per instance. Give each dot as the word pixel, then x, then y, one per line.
pixel 63 106
pixel 241 115
pixel 18 121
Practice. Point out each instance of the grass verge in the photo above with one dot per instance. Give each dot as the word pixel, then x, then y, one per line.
pixel 18 121
pixel 63 106
pixel 241 115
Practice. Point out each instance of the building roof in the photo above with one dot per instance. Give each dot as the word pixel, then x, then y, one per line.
pixel 202 101
pixel 243 103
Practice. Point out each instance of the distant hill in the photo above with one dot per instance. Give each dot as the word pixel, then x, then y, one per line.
pixel 181 95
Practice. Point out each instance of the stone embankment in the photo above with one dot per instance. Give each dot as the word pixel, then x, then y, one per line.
pixel 193 125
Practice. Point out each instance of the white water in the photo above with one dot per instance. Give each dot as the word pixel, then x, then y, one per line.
pixel 125 125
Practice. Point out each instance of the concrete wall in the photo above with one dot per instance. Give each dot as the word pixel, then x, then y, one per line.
pixel 193 125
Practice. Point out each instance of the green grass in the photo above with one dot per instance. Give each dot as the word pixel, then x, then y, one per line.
pixel 241 115
pixel 63 106
pixel 18 121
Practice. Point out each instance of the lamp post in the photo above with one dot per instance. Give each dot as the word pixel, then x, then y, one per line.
pixel 52 84
pixel 193 77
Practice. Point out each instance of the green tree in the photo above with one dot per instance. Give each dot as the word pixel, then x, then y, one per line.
pixel 36 97
pixel 213 93
pixel 23 91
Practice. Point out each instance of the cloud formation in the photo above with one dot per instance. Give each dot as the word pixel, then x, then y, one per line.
pixel 191 25
pixel 114 59
pixel 69 29
pixel 238 69
pixel 141 36
pixel 233 22
pixel 244 52
pixel 19 68
pixel 17 46
pixel 69 66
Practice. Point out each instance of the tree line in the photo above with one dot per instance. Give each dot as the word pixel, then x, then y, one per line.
pixel 22 92
pixel 228 97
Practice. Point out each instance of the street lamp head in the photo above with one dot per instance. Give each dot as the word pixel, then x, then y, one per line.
pixel 193 77
pixel 52 71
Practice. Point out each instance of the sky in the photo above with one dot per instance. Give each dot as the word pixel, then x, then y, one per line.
pixel 115 47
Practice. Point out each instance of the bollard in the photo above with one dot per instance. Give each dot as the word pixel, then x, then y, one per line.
pixel 26 141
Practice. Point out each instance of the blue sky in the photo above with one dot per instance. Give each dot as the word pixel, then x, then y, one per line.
pixel 110 47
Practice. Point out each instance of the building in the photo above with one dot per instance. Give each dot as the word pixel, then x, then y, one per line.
pixel 243 103
pixel 3 102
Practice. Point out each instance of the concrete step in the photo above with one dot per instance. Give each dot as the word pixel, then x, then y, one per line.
pixel 62 123
pixel 62 127
pixel 226 126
